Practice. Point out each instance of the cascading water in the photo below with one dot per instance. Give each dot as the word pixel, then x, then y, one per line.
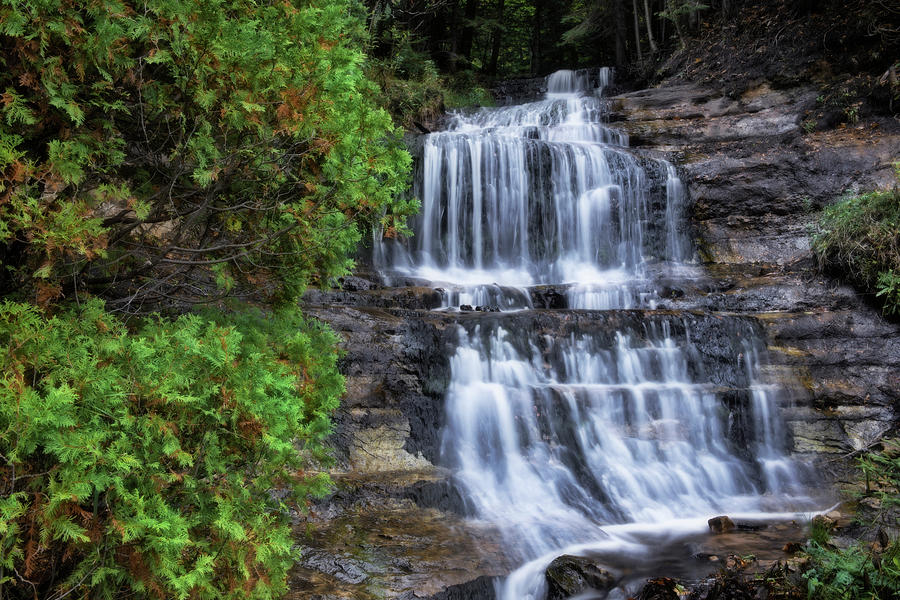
pixel 533 194
pixel 597 432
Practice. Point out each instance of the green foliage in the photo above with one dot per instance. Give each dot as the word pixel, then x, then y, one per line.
pixel 412 89
pixel 677 9
pixel 853 573
pixel 141 143
pixel 142 463
pixel 882 473
pixel 862 572
pixel 464 90
pixel 860 237
pixel 888 289
pixel 819 532
pixel 845 96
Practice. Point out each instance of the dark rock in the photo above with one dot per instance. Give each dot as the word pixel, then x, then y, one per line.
pixel 491 308
pixel 397 370
pixel 792 547
pixel 705 556
pixel 729 587
pixel 355 284
pixel 662 588
pixel 345 569
pixel 481 588
pixel 546 296
pixel 519 90
pixel 569 575
pixel 721 524
pixel 466 307
pixel 442 495
pixel 356 294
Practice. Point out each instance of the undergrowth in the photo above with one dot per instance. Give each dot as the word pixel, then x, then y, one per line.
pixel 829 569
pixel 414 92
pixel 854 573
pixel 859 239
pixel 143 461
pixel 863 571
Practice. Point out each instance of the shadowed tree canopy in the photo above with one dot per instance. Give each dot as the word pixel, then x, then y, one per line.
pixel 529 37
pixel 512 38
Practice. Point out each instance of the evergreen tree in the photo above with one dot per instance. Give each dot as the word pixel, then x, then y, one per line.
pixel 148 149
pixel 160 154
pixel 146 463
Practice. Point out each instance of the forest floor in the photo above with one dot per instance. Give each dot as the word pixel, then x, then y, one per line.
pixel 850 51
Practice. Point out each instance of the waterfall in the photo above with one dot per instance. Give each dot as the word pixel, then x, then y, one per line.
pixel 599 432
pixel 541 193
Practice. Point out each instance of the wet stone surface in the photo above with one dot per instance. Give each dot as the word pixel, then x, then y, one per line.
pixel 368 541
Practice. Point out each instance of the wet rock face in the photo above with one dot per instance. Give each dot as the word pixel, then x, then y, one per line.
pixel 755 178
pixel 848 362
pixel 397 370
pixel 397 367
pixel 757 182
pixel 481 588
pixel 570 575
pixel 514 91
pixel 369 541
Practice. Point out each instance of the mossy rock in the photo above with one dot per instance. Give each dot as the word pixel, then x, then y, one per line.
pixel 569 575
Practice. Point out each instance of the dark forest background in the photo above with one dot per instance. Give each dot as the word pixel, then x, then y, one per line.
pixel 453 49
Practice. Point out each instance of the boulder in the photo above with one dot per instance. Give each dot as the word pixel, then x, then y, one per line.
pixel 823 522
pixel 721 524
pixel 569 575
pixel 792 547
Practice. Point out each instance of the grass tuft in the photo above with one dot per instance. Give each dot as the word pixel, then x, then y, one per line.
pixel 859 237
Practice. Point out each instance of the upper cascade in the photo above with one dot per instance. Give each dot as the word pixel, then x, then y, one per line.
pixel 534 194
pixel 570 82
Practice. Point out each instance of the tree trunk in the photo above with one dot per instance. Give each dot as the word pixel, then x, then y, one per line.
pixel 676 20
pixel 495 41
pixel 637 30
pixel 536 50
pixel 468 28
pixel 663 34
pixel 621 32
pixel 653 47
pixel 454 36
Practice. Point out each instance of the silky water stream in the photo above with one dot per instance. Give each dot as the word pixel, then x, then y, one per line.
pixel 608 428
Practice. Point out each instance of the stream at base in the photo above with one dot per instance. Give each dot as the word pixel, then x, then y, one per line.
pixel 619 441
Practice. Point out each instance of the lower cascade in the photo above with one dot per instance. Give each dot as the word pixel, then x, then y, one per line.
pixel 609 427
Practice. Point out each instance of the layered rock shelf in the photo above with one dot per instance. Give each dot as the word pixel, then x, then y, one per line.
pixel 757 181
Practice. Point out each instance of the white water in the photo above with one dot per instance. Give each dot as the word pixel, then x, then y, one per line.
pixel 540 193
pixel 588 441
